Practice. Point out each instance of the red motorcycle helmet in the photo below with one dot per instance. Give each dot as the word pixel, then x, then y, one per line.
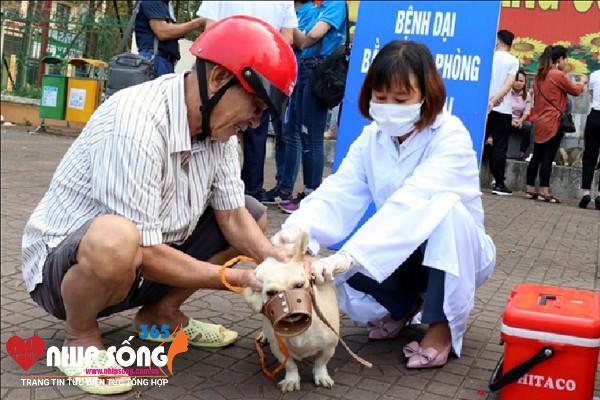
pixel 261 58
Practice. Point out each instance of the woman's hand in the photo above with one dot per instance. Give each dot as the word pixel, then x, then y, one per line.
pixel 325 269
pixel 286 237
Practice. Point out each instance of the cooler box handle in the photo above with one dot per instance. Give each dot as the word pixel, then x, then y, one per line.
pixel 519 370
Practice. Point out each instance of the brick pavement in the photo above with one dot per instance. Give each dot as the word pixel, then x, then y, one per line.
pixel 537 242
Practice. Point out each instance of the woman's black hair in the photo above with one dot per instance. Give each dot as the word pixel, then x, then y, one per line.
pixel 549 57
pixel 395 63
pixel 524 93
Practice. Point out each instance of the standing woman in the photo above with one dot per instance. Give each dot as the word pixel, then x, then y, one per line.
pixel 591 137
pixel 325 32
pixel 550 91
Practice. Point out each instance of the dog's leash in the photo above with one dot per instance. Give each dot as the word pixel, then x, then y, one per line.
pixel 322 317
pixel 261 354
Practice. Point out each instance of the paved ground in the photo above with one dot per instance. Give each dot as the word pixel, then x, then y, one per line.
pixel 555 245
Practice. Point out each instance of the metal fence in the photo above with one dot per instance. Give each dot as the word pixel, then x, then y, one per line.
pixel 31 33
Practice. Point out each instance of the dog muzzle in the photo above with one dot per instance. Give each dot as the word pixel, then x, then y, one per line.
pixel 290 312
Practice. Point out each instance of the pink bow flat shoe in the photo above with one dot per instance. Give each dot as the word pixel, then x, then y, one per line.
pixel 384 330
pixel 390 329
pixel 419 358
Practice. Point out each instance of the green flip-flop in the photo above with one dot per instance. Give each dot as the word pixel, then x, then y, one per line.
pixel 201 334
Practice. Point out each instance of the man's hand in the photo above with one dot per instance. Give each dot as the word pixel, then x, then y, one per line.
pixel 326 268
pixel 199 23
pixel 279 253
pixel 248 279
pixel 286 237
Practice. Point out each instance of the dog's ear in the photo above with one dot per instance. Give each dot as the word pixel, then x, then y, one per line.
pixel 254 299
pixel 300 247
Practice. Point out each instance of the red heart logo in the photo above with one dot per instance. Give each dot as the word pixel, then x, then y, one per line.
pixel 25 352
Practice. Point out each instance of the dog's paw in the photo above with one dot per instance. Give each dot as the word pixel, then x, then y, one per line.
pixel 324 381
pixel 262 339
pixel 289 385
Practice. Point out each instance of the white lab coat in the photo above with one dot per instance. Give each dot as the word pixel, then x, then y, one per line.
pixel 425 189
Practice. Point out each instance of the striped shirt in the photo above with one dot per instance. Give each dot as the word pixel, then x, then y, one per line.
pixel 135 158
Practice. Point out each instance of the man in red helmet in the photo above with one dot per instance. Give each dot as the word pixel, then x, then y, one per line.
pixel 282 16
pixel 148 203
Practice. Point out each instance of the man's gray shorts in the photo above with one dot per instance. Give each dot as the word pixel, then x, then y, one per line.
pixel 205 241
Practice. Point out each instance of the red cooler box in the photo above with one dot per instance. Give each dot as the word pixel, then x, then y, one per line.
pixel 552 340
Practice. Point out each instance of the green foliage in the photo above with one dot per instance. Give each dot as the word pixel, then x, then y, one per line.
pixel 90 29
pixel 28 91
pixel 185 10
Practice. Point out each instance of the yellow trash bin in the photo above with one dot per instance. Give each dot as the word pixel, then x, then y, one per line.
pixel 84 88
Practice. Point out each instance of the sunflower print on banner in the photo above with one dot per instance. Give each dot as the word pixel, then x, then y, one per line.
pixel 584 57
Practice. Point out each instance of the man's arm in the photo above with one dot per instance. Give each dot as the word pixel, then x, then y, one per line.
pixel 289 21
pixel 299 37
pixel 288 33
pixel 497 98
pixel 169 266
pixel 166 31
pixel 243 233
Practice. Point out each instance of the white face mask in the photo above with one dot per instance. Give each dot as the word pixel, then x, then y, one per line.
pixel 395 119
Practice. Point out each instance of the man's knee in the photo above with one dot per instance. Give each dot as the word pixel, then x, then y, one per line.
pixel 257 210
pixel 111 247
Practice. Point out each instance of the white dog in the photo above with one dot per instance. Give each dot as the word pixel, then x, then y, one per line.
pixel 318 340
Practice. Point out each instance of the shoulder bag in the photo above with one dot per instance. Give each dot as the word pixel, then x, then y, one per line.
pixel 129 69
pixel 328 79
pixel 567 124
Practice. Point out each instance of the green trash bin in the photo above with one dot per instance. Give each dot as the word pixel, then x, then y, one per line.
pixel 54 89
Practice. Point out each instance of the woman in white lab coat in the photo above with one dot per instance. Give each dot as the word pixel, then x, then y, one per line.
pixel 425 248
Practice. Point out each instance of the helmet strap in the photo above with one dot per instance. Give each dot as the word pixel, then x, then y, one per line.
pixel 208 103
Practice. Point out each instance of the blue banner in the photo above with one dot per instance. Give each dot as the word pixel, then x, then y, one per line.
pixel 461 36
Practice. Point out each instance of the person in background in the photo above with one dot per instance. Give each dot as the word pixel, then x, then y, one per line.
pixel 148 203
pixel 526 146
pixel 550 90
pixel 282 16
pixel 156 19
pixel 325 32
pixel 591 137
pixel 288 145
pixel 504 71
pixel 521 108
pixel 333 120
pixel 425 248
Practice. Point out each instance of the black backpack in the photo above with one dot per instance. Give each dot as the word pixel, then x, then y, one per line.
pixel 328 79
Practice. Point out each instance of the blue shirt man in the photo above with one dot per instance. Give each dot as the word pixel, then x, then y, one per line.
pixel 156 19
